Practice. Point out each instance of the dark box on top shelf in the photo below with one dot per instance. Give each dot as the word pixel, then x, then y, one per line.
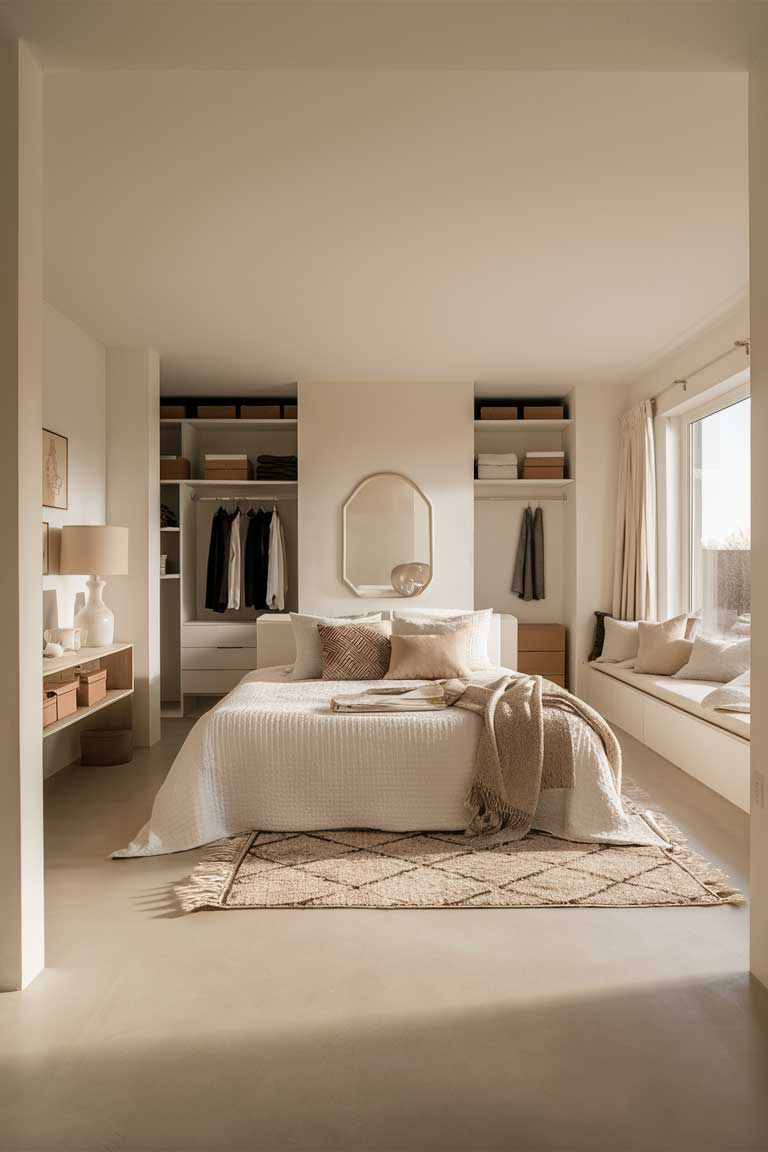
pixel 544 412
pixel 259 411
pixel 498 412
pixel 290 411
pixel 216 411
pixel 173 411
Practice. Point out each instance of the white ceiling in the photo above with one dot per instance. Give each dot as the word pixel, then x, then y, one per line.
pixel 530 229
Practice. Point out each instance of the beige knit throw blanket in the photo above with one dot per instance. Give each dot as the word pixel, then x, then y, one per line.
pixel 525 746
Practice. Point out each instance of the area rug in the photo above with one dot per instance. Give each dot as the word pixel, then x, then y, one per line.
pixel 368 869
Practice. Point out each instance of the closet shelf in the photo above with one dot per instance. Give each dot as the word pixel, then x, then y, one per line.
pixel 523 425
pixel 170 576
pixel 170 529
pixel 240 483
pixel 520 485
pixel 232 423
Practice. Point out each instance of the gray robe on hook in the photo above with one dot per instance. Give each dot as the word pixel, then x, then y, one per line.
pixel 528 576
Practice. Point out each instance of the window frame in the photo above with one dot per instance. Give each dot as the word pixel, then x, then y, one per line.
pixel 692 415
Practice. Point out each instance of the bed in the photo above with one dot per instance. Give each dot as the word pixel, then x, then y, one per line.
pixel 273 756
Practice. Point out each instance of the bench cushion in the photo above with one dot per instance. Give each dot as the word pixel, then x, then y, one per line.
pixel 683 694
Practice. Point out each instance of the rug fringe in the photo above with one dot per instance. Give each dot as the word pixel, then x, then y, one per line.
pixel 207 885
pixel 715 879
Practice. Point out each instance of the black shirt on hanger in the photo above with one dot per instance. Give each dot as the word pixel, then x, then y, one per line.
pixel 257 558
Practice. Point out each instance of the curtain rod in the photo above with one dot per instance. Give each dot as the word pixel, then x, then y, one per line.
pixel 745 344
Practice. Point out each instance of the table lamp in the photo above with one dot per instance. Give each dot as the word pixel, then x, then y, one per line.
pixel 94 548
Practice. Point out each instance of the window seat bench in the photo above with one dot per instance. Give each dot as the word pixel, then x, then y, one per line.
pixel 667 715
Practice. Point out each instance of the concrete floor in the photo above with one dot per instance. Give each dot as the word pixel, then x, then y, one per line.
pixel 525 1030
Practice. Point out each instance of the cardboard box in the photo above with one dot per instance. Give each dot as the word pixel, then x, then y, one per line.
pixel 498 412
pixel 172 411
pixel 228 472
pixel 178 468
pixel 541 637
pixel 91 687
pixel 216 411
pixel 543 472
pixel 49 710
pixel 290 411
pixel 66 698
pixel 259 411
pixel 544 412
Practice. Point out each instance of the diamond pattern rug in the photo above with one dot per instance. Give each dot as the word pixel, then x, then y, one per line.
pixel 369 869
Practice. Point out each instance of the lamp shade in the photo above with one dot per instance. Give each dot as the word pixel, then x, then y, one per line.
pixel 94 549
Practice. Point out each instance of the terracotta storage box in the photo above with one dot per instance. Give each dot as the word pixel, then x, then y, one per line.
pixel 543 472
pixel 498 412
pixel 92 687
pixel 544 412
pixel 290 411
pixel 216 411
pixel 172 411
pixel 66 698
pixel 49 711
pixel 259 411
pixel 175 468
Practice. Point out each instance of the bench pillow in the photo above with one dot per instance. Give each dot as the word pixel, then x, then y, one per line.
pixel 718 660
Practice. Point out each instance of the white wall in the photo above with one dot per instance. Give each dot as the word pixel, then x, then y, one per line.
pixel 74 399
pixel 133 501
pixel 497 530
pixel 758 147
pixel 21 778
pixel 348 431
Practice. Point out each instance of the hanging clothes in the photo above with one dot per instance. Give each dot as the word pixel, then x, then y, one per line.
pixel 528 576
pixel 277 571
pixel 217 572
pixel 234 570
pixel 256 564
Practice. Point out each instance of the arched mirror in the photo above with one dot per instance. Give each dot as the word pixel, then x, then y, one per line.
pixel 387 537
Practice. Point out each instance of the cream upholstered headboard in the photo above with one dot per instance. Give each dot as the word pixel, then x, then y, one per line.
pixel 274 640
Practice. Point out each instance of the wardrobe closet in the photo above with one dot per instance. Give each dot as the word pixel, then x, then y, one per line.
pixel 210 600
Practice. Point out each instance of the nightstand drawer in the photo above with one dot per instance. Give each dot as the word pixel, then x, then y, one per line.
pixel 210 682
pixel 220 657
pixel 541 637
pixel 203 635
pixel 542 663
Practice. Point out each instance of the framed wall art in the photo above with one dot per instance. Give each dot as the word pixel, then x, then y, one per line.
pixel 55 470
pixel 45 547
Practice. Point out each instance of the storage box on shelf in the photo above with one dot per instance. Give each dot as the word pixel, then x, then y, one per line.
pixel 174 468
pixel 537 433
pixel 75 701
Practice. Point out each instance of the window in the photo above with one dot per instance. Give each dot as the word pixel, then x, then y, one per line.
pixel 717 571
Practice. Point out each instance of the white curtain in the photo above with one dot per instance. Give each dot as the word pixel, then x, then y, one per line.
pixel 634 580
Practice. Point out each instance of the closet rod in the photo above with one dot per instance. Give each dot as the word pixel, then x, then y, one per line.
pixel 524 499
pixel 263 496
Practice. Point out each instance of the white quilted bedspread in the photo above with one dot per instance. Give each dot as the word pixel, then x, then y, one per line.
pixel 272 756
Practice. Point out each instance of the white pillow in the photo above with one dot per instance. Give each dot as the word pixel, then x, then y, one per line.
pixel 622 638
pixel 442 623
pixel 309 651
pixel 718 660
pixel 732 697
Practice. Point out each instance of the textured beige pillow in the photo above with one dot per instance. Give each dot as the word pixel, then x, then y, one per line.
pixel 308 664
pixel 355 651
pixel 437 624
pixel 662 648
pixel 431 657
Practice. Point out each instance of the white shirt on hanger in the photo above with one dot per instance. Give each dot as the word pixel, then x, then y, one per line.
pixel 233 585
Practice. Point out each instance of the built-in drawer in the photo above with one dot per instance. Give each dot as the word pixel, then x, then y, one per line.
pixel 210 681
pixel 541 663
pixel 227 657
pixel 205 635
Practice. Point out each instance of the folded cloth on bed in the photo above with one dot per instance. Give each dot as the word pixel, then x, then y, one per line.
pixel 525 746
pixel 425 698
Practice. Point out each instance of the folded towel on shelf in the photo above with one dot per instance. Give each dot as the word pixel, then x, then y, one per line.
pixel 498 458
pixel 488 472
pixel 276 467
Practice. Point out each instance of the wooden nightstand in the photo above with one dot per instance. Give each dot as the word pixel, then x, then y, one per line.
pixel 541 651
